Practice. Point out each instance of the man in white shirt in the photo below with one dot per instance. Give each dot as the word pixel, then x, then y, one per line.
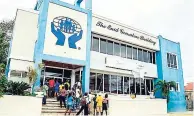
pixel 77 95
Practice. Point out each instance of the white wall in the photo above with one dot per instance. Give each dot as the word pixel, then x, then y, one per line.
pixel 136 107
pixel 98 64
pixel 50 46
pixel 20 106
pixel 117 34
pixel 20 65
pixel 24 35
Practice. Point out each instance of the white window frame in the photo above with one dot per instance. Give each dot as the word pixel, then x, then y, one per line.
pixel 177 88
pixel 173 61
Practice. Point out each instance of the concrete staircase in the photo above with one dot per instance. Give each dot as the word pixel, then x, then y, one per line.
pixel 52 108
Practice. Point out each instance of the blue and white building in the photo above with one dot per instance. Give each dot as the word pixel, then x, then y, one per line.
pixel 105 55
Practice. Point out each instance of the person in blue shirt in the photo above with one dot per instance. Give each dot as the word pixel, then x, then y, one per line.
pixel 69 103
pixel 57 84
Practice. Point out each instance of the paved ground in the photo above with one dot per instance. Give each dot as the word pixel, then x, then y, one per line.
pixel 189 113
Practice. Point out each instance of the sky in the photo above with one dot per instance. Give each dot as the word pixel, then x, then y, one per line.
pixel 173 19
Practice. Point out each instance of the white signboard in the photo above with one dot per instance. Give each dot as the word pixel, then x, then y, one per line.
pixel 66 32
pixel 123 33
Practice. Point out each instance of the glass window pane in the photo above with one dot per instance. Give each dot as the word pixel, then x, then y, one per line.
pixel 15 73
pixel 135 53
pixel 120 85
pixel 168 58
pixel 110 48
pixel 129 52
pixel 145 56
pixel 175 62
pixel 92 82
pixel 150 57
pixel 140 55
pixel 99 82
pixel 117 49
pixel 137 81
pixel 123 50
pixel 106 83
pixel 152 88
pixel 113 84
pixel 147 86
pixel 154 58
pixel 126 85
pixel 95 44
pixel 132 85
pixel 102 46
pixel 142 87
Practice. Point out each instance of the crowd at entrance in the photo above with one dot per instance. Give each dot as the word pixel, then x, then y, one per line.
pixel 73 99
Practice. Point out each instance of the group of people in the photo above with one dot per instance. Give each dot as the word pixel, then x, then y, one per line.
pixel 73 99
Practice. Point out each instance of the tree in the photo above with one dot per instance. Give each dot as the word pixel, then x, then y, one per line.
pixel 165 87
pixel 6 29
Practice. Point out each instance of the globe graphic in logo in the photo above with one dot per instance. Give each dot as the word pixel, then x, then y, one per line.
pixel 67 25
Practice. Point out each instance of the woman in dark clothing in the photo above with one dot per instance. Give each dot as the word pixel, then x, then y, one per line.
pixel 105 104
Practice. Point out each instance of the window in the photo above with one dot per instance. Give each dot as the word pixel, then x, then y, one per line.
pixel 171 60
pixel 113 84
pixel 142 86
pixel 103 46
pixel 134 53
pixel 123 50
pixel 15 73
pixel 93 81
pixel 145 56
pixel 95 44
pixel 99 82
pixel 137 84
pixel 140 55
pixel 126 85
pixel 110 48
pixel 106 83
pixel 132 85
pixel 120 84
pixel 148 86
pixel 149 57
pixel 154 58
pixel 177 87
pixel 117 49
pixel 129 52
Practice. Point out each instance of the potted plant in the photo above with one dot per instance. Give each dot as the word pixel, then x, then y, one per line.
pixel 32 75
pixel 165 87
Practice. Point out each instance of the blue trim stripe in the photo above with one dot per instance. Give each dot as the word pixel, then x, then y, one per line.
pixel 42 21
pixel 63 60
pixel 86 69
pixel 58 2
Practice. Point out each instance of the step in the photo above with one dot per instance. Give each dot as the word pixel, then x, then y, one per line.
pixel 57 111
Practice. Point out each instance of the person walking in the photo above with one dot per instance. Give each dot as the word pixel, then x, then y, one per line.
pixel 78 93
pixel 67 85
pixel 57 84
pixel 84 105
pixel 69 103
pixel 62 97
pixel 51 87
pixel 94 104
pixel 105 104
pixel 99 101
pixel 45 91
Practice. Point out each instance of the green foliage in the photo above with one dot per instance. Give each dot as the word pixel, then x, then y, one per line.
pixel 6 29
pixel 3 85
pixel 165 87
pixel 17 88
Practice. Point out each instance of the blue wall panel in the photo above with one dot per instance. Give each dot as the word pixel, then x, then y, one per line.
pixel 177 99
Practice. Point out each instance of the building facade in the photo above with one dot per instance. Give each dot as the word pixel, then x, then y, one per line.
pixel 105 55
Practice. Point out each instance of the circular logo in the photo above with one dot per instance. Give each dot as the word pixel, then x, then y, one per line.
pixel 67 25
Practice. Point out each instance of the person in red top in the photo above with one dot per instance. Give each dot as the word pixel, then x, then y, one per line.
pixel 51 87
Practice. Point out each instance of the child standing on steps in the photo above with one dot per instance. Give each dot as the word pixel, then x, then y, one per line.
pixel 69 103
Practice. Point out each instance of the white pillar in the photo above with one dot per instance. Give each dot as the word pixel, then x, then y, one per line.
pixel 72 78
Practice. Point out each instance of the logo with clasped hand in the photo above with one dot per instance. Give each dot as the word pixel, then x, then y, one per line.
pixel 66 29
